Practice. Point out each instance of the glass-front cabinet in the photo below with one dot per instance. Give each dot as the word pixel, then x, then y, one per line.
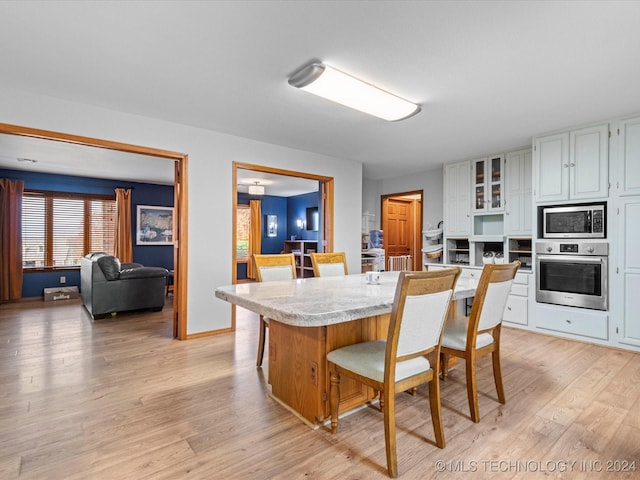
pixel 488 183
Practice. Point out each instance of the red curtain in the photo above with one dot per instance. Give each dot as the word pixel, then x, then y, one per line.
pixel 11 239
pixel 123 246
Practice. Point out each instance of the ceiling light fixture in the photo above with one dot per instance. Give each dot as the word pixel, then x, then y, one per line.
pixel 256 189
pixel 339 87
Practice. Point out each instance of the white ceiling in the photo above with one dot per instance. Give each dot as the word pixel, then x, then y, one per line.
pixel 489 75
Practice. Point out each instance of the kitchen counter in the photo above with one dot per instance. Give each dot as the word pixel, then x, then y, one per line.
pixel 322 301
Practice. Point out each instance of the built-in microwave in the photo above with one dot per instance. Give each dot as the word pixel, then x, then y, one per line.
pixel 574 221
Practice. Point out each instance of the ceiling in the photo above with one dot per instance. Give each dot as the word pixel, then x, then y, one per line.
pixel 488 74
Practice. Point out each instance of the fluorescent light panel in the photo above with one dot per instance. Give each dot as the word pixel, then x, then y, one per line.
pixel 339 87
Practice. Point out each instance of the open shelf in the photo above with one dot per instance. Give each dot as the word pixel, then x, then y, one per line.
pixel 520 249
pixel 458 251
pixel 301 250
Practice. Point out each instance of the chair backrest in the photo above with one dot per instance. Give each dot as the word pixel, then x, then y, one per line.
pixel 419 311
pixel 275 267
pixel 329 264
pixel 491 298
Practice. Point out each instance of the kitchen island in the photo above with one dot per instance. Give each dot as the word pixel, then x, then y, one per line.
pixel 312 316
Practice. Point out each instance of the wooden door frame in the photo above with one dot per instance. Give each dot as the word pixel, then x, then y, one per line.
pixel 180 204
pixel 326 200
pixel 417 229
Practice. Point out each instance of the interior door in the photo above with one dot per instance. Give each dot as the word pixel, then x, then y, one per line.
pixel 397 216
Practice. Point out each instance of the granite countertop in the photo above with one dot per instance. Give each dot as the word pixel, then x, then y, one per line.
pixel 316 302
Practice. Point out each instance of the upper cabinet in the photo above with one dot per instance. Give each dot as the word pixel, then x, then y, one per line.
pixel 629 157
pixel 457 218
pixel 518 206
pixel 488 184
pixel 573 165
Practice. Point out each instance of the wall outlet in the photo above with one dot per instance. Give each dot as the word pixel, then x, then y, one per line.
pixel 63 279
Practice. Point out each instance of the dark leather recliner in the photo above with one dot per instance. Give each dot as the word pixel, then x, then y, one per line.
pixel 108 286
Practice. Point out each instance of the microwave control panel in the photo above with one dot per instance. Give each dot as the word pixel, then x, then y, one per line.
pixel 597 223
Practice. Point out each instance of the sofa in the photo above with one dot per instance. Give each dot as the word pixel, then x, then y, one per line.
pixel 108 286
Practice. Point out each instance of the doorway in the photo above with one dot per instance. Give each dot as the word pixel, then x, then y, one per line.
pixel 401 222
pixel 180 204
pixel 325 207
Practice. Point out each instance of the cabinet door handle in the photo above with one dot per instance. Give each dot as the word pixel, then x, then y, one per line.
pixel 566 165
pixel 568 321
pixel 573 164
pixel 509 308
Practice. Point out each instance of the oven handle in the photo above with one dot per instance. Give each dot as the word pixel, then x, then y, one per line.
pixel 570 258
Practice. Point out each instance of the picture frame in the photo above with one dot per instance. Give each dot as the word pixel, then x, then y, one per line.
pixel 154 225
pixel 272 226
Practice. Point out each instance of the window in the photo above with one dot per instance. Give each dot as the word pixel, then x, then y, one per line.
pixel 243 227
pixel 58 229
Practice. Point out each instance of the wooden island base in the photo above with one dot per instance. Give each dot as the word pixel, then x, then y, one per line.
pixel 298 369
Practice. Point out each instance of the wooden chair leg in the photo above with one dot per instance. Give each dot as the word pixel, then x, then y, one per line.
pixel 444 365
pixel 334 400
pixel 472 388
pixel 497 375
pixel 261 340
pixel 390 432
pixel 436 411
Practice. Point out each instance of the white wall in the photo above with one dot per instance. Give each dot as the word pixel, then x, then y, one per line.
pixel 429 181
pixel 209 185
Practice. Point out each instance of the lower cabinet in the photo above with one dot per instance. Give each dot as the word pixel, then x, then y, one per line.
pixel 575 321
pixel 517 309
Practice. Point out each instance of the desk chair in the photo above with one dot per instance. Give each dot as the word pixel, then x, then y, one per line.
pixel 479 333
pixel 329 264
pixel 270 268
pixel 409 357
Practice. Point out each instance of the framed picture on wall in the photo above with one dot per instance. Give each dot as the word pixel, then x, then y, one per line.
pixel 272 225
pixel 154 225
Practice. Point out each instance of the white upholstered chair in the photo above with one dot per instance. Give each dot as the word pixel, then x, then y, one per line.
pixel 409 357
pixel 329 264
pixel 271 268
pixel 479 333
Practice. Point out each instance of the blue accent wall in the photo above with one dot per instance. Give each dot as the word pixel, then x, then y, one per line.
pixel 297 209
pixel 288 210
pixel 270 205
pixel 141 194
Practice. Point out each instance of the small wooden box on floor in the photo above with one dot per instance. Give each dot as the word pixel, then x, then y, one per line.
pixel 60 293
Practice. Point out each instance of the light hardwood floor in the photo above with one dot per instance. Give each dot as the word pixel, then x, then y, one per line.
pixel 118 398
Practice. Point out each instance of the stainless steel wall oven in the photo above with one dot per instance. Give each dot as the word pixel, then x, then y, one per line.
pixel 573 273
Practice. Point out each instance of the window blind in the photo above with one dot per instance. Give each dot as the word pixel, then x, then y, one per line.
pixel 58 229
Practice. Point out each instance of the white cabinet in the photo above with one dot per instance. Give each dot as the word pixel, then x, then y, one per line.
pixel 518 208
pixel 517 308
pixel 573 165
pixel 457 217
pixel 629 271
pixel 488 179
pixel 551 155
pixel 574 321
pixel 629 157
